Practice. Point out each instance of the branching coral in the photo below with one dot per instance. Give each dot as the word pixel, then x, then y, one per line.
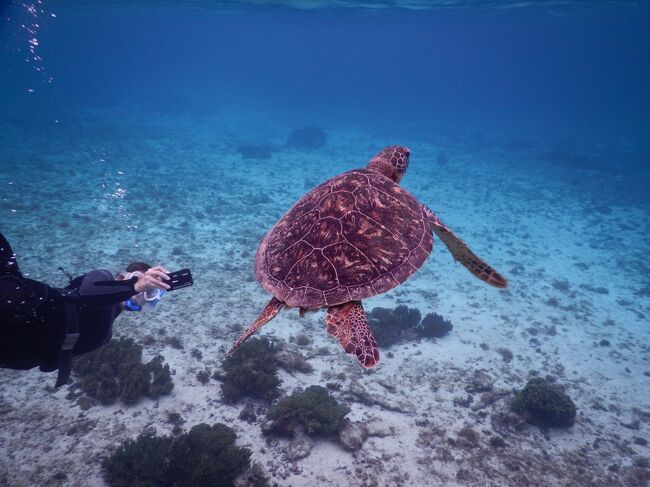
pixel 141 462
pixel 308 138
pixel 391 326
pixel 545 404
pixel 251 371
pixel 434 325
pixel 115 371
pixel 313 410
pixel 206 455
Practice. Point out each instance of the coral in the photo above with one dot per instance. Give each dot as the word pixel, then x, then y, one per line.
pixel 203 376
pixel 497 442
pixel 401 317
pixel 251 371
pixel 248 413
pixel 406 317
pixel 135 385
pixel 161 379
pixel 479 381
pixel 143 462
pixel 467 438
pixel 206 455
pixel 545 404
pixel 314 410
pixel 174 342
pixel 505 353
pixel 288 357
pixel 392 326
pixel 115 371
pixel 434 325
pixel 561 285
pixel 385 336
pixel 255 151
pixel 309 138
pixel 302 340
pixel 352 434
pixel 256 198
pixel 175 418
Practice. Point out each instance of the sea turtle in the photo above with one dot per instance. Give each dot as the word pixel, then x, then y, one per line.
pixel 354 236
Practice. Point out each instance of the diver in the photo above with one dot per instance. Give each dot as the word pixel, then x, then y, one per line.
pixel 42 326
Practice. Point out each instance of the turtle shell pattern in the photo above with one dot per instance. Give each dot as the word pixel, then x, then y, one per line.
pixel 354 236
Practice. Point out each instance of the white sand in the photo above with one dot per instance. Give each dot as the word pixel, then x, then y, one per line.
pixel 532 224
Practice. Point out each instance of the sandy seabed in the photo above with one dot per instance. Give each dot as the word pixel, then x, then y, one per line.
pixel 90 194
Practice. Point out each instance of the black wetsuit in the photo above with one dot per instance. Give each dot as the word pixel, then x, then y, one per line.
pixel 34 317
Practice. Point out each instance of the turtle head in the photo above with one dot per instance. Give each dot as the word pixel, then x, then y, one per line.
pixel 391 162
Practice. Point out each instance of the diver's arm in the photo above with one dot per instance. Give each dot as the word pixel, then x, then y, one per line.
pixel 99 288
pixel 106 291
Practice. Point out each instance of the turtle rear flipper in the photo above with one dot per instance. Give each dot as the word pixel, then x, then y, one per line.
pixel 463 254
pixel 268 313
pixel 349 325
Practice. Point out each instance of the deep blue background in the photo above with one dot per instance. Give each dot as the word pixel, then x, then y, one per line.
pixel 581 73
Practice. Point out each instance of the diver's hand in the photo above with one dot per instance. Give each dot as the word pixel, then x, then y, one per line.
pixel 153 278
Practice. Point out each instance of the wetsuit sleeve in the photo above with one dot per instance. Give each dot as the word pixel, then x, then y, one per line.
pixel 99 288
pixel 8 263
pixel 75 283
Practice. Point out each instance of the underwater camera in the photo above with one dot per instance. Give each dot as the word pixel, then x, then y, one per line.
pixel 148 299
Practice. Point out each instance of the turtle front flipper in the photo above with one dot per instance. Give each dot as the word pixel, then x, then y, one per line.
pixel 463 254
pixel 267 314
pixel 349 325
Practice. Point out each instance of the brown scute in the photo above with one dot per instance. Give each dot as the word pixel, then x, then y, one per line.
pixel 324 232
pixel 392 214
pixel 384 282
pixel 314 271
pixel 386 254
pixel 313 298
pixel 311 200
pixel 352 266
pixel 357 228
pixel 279 268
pixel 388 187
pixel 361 291
pixel 337 295
pixel 336 204
pixel 420 253
pixel 402 272
pixel 282 290
pixel 377 243
pixel 348 181
pixel 287 232
pixel 295 297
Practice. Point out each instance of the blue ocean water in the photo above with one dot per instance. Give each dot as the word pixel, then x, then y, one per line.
pixel 159 132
